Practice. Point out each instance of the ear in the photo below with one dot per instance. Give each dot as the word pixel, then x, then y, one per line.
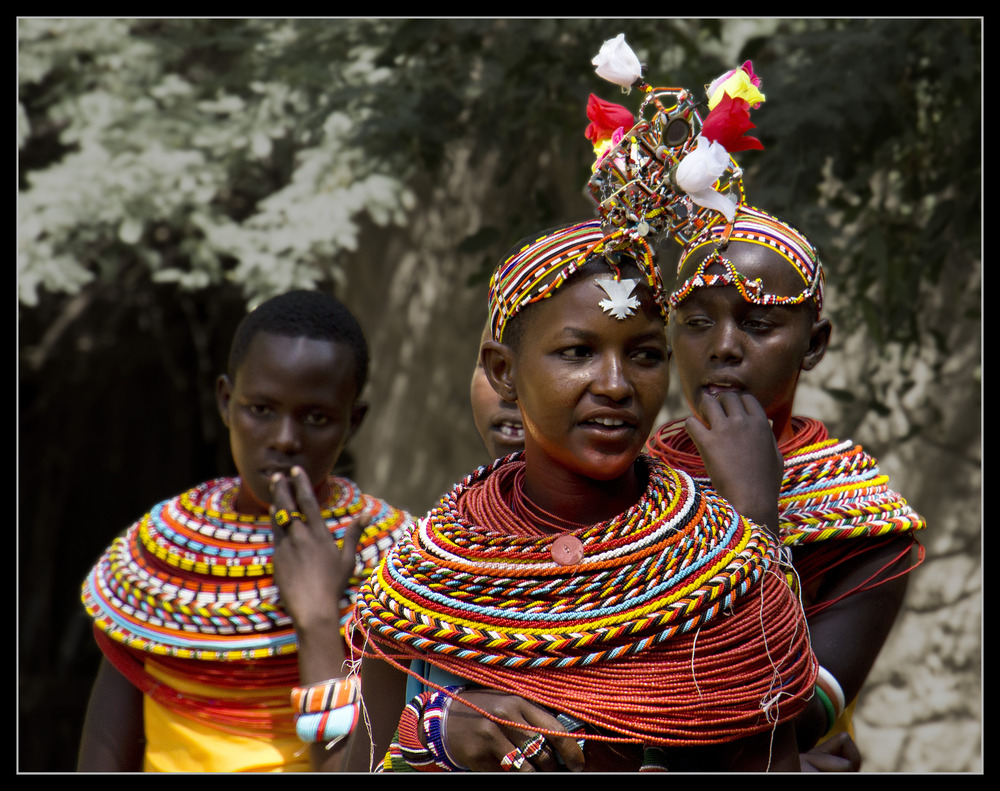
pixel 819 340
pixel 498 363
pixel 223 395
pixel 358 412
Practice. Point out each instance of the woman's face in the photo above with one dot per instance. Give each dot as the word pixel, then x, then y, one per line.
pixel 293 401
pixel 498 421
pixel 724 343
pixel 589 386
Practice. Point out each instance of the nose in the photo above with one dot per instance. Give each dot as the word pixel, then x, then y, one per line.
pixel 286 436
pixel 725 342
pixel 611 378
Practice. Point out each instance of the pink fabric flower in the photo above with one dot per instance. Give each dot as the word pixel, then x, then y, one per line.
pixel 728 123
pixel 605 119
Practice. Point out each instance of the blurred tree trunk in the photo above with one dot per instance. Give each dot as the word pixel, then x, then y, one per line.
pixel 424 317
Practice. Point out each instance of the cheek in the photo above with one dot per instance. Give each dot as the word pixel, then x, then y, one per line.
pixel 244 433
pixel 483 399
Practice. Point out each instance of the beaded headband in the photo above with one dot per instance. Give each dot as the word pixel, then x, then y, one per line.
pixel 537 269
pixel 668 172
pixel 754 226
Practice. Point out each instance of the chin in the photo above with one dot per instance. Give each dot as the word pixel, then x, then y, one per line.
pixel 609 468
pixel 250 500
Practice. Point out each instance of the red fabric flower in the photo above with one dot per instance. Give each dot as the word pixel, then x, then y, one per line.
pixel 728 122
pixel 605 118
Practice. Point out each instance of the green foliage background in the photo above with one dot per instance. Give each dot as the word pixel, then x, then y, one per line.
pixel 174 172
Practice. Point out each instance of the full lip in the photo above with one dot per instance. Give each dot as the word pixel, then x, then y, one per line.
pixel 610 420
pixel 715 385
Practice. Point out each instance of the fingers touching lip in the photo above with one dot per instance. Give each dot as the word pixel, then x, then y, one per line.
pixel 722 384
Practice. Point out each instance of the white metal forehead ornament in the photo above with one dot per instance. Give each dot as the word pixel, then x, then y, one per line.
pixel 620 302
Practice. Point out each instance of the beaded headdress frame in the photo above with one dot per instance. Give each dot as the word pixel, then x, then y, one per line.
pixel 754 226
pixel 635 182
pixel 668 171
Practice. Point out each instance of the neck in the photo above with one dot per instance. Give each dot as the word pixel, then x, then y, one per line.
pixel 781 425
pixel 247 502
pixel 578 499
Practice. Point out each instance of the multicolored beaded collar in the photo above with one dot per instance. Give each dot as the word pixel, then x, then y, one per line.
pixel 540 267
pixel 754 226
pixel 673 624
pixel 193 578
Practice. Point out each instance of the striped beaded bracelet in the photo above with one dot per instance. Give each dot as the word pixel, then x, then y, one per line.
pixel 425 714
pixel 326 695
pixel 327 726
pixel 432 723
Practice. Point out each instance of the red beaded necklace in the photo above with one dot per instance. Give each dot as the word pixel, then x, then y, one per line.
pixel 672 444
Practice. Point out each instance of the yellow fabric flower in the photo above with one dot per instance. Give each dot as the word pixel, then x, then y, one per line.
pixel 739 85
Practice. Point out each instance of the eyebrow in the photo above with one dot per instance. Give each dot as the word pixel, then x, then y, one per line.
pixel 590 335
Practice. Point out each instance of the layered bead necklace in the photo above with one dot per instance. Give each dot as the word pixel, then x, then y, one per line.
pixel 193 580
pixel 629 638
pixel 831 490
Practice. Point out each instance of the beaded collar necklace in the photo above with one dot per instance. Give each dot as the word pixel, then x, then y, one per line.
pixel 629 639
pixel 193 578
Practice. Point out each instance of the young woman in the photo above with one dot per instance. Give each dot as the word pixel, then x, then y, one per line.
pixel 619 599
pixel 201 656
pixel 747 319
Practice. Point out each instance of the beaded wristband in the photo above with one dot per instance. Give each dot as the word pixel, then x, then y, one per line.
pixel 326 695
pixel 327 726
pixel 411 749
pixel 431 722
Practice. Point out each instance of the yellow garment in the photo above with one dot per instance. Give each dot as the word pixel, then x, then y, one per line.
pixel 845 722
pixel 175 743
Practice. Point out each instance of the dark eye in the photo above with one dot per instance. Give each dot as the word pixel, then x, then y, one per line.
pixel 576 352
pixel 258 410
pixel 317 419
pixel 695 321
pixel 648 356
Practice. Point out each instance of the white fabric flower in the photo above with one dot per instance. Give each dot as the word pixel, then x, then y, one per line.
pixel 699 170
pixel 617 63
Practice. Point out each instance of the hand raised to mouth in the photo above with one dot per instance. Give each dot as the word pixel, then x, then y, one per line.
pixel 741 456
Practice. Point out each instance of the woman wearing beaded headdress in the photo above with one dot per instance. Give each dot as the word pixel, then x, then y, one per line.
pixel 747 318
pixel 219 611
pixel 639 609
